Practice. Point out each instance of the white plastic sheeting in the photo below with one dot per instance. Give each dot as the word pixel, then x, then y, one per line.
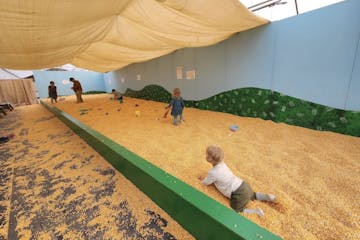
pixel 104 35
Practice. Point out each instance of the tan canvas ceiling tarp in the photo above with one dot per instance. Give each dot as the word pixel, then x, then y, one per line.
pixel 104 35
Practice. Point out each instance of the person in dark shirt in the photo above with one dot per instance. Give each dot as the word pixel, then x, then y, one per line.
pixel 52 92
pixel 77 89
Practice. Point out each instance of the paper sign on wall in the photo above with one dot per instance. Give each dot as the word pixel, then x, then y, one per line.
pixel 190 75
pixel 179 73
pixel 138 77
pixel 65 81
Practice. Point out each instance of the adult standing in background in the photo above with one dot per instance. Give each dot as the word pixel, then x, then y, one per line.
pixel 77 89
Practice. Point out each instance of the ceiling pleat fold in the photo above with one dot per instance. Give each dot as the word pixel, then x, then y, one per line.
pixel 105 35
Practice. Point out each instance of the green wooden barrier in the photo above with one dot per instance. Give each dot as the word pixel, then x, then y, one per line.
pixel 199 214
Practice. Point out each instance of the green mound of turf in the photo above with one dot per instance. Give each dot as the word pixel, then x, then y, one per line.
pixel 268 105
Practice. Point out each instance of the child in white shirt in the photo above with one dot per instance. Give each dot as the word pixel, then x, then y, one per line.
pixel 117 95
pixel 230 185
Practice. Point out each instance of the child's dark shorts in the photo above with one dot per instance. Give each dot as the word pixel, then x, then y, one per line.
pixel 241 196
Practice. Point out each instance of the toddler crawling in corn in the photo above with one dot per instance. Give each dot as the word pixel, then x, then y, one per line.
pixel 230 185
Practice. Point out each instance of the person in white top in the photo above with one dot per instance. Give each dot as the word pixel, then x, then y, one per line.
pixel 117 95
pixel 231 186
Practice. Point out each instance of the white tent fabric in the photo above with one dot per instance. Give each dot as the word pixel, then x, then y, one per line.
pixel 14 74
pixel 104 35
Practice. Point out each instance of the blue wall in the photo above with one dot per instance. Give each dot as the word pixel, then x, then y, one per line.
pixel 90 81
pixel 313 56
pixel 353 97
pixel 316 53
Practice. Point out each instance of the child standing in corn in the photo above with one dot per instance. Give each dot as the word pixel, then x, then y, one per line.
pixel 177 105
pixel 52 92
